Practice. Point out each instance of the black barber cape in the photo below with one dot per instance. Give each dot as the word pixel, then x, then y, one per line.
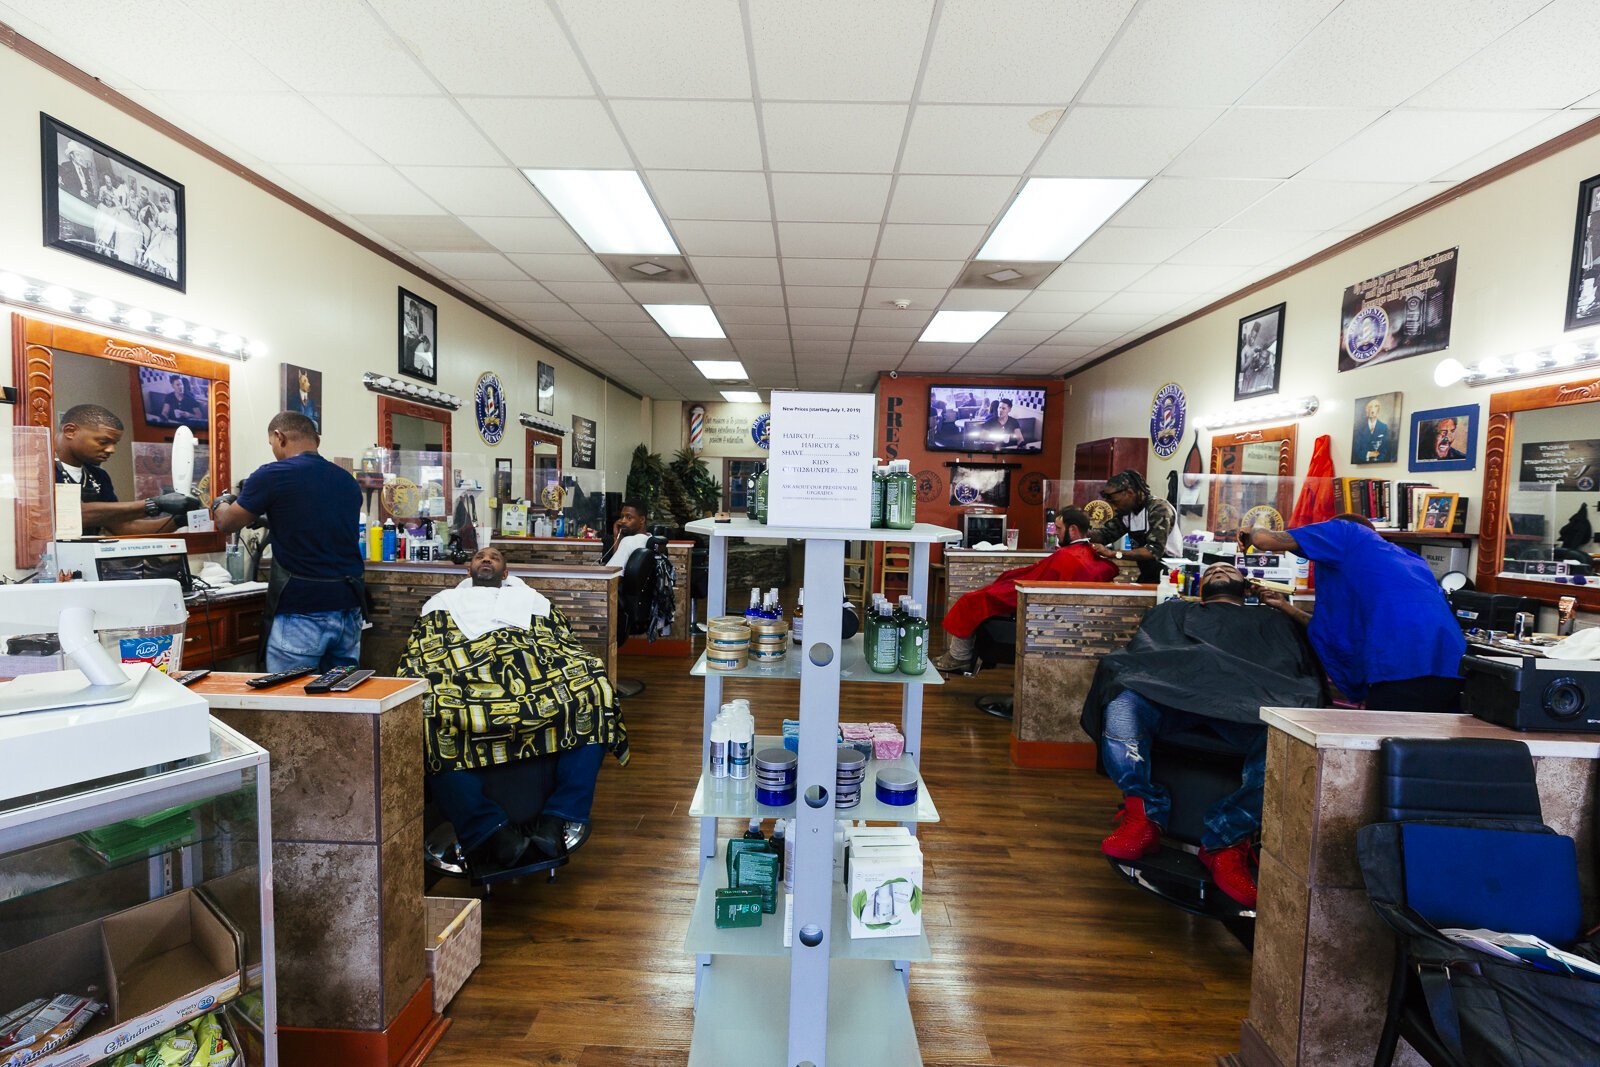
pixel 1222 661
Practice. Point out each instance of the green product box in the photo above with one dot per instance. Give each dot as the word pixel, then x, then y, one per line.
pixel 737 845
pixel 758 872
pixel 737 908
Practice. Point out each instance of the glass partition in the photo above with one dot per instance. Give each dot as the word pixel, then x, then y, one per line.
pixel 27 492
pixel 535 497
pixel 1216 505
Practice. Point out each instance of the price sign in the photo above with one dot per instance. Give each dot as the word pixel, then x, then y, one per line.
pixel 819 473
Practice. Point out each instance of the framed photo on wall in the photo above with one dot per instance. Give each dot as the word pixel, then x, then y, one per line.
pixel 1257 363
pixel 1583 299
pixel 547 389
pixel 1444 439
pixel 1376 433
pixel 108 207
pixel 300 390
pixel 419 338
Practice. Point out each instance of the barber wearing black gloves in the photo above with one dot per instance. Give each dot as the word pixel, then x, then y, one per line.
pixel 87 437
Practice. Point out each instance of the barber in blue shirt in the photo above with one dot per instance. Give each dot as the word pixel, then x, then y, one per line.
pixel 316 595
pixel 1381 625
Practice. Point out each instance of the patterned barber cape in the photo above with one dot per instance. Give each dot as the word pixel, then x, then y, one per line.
pixel 511 695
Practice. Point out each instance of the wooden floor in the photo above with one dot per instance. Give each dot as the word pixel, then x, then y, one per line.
pixel 1041 955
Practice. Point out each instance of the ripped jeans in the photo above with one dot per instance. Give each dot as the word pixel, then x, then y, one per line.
pixel 1132 722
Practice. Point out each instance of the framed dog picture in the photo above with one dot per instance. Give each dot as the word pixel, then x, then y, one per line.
pixel 1375 435
pixel 1444 439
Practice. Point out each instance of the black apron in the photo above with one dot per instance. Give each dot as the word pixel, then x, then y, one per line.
pixel 276 583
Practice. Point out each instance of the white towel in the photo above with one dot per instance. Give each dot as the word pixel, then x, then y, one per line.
pixel 1584 644
pixel 477 610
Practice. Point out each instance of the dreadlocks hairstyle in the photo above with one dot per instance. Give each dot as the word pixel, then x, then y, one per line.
pixel 1128 479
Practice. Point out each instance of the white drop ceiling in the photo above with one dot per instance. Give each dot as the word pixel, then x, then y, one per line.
pixel 819 160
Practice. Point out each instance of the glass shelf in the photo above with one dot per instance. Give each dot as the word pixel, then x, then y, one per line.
pixel 735 798
pixel 852 668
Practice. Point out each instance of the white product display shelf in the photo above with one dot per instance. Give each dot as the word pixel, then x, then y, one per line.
pixel 767 939
pixel 745 999
pixel 743 527
pixel 735 798
pixel 852 668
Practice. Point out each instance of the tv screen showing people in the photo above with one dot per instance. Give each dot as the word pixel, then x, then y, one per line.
pixel 987 418
pixel 175 399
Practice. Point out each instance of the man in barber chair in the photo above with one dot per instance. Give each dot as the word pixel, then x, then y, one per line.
pixel 509 690
pixel 1204 667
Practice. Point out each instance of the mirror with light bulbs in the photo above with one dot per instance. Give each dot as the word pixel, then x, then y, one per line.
pixel 1250 470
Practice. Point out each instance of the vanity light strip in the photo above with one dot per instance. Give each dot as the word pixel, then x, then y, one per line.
pixel 1551 359
pixel 1262 411
pixel 422 394
pixel 534 422
pixel 87 307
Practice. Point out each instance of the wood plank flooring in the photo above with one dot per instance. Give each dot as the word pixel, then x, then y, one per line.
pixel 1042 956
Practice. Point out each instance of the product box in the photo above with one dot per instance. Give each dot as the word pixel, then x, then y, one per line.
pixel 514 520
pixel 860 839
pixel 885 892
pixel 155 966
pixel 1442 559
pixel 737 908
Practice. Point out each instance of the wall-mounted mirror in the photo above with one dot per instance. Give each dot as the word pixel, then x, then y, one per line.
pixel 418 482
pixel 543 463
pixel 1251 469
pixel 151 391
pixel 1538 532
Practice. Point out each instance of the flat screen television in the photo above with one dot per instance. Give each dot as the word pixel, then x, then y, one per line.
pixel 175 399
pixel 985 418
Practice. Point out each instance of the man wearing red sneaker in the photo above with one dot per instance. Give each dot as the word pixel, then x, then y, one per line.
pixel 1209 666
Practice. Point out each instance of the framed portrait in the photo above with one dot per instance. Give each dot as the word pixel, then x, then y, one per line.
pixel 1375 436
pixel 1583 301
pixel 547 389
pixel 419 338
pixel 1257 363
pixel 1438 512
pixel 300 390
pixel 1444 439
pixel 980 485
pixel 110 208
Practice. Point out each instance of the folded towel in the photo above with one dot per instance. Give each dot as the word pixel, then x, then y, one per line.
pixel 477 610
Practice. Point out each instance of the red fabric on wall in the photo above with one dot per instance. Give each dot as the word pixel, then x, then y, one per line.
pixel 1316 503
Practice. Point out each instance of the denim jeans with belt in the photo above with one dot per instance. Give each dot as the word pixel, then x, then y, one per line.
pixel 1132 722
pixel 463 798
pixel 321 640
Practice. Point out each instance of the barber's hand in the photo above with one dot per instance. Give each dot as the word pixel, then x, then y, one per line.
pixel 222 500
pixel 1273 599
pixel 1245 537
pixel 178 505
pixel 1103 551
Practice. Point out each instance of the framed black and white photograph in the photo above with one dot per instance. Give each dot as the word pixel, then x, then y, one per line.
pixel 547 389
pixel 108 207
pixel 1444 439
pixel 1258 361
pixel 1583 299
pixel 419 338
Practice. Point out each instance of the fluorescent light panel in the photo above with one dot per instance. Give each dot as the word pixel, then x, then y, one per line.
pixel 737 396
pixel 722 370
pixel 611 210
pixel 1051 217
pixel 960 327
pixel 686 320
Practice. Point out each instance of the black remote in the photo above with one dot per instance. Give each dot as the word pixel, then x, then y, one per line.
pixel 191 677
pixel 322 683
pixel 266 681
pixel 351 680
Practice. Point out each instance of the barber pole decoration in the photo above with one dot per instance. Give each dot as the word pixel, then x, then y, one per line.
pixel 697 428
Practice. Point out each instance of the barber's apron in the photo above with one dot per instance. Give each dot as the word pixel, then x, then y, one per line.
pixel 279 579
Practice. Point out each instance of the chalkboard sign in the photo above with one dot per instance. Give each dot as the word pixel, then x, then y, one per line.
pixel 1568 465
pixel 583 433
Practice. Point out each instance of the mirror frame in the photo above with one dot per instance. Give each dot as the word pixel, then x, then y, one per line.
pixel 540 437
pixel 1284 435
pixel 388 408
pixel 1503 408
pixel 34 343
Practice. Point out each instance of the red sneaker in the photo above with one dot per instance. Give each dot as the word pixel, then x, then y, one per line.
pixel 1135 836
pixel 1230 868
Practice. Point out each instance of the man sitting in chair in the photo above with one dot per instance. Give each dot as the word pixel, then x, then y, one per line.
pixel 1074 561
pixel 1211 665
pixel 508 683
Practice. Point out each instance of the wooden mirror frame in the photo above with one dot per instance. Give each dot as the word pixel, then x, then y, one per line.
pixel 34 343
pixel 1285 436
pixel 388 408
pixel 1503 408
pixel 540 437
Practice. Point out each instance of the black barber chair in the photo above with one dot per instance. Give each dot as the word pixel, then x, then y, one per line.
pixel 994 644
pixel 641 589
pixel 443 855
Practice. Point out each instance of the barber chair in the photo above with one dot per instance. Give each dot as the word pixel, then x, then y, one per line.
pixel 995 645
pixel 443 855
pixel 640 577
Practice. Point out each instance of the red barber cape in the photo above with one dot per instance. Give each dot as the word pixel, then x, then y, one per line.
pixel 1070 563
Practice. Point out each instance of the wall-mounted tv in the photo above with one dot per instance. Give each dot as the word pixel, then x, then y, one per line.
pixel 175 399
pixel 985 418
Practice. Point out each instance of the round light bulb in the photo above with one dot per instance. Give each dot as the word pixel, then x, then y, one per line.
pixel 1491 367
pixel 231 342
pixel 12 286
pixel 100 308
pixel 203 336
pixel 256 349
pixel 1448 372
pixel 57 296
pixel 137 319
pixel 172 327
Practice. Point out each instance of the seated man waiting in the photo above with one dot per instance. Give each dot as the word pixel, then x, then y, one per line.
pixel 509 683
pixel 1074 561
pixel 1212 664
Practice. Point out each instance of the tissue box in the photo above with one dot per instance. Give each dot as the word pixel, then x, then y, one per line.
pixel 885 891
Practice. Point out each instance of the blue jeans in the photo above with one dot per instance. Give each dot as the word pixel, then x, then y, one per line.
pixel 463 798
pixel 321 640
pixel 1132 722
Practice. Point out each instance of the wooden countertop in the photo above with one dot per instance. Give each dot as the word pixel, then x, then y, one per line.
pixel 534 570
pixel 1087 588
pixel 980 553
pixel 227 692
pixel 1364 730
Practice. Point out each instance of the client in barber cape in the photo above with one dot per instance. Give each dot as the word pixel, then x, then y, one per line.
pixel 509 684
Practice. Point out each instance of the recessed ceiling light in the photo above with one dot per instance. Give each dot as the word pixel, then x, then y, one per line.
pixel 686 320
pixel 960 326
pixel 736 396
pixel 648 269
pixel 1004 274
pixel 1051 217
pixel 722 370
pixel 611 209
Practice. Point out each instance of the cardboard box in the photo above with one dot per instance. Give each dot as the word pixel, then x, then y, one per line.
pixel 885 891
pixel 155 966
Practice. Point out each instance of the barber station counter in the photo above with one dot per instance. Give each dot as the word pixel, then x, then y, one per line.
pixel 347 833
pixel 587 596
pixel 1323 961
pixel 967 569
pixel 550 551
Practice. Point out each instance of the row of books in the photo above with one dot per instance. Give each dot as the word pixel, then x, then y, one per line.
pixel 1393 505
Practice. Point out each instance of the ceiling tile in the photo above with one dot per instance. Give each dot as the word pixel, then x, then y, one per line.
pixel 1085 336
pixel 1305 204
pixel 823 296
pixel 550 133
pixel 1123 244
pixel 1172 50
pixel 1413 146
pixel 735 270
pixel 1241 247
pixel 825 271
pixel 336 48
pixel 707 134
pixel 878 348
pixel 756 331
pixel 950 198
pixel 666 292
pixel 1024 319
pixel 891 333
pixel 923 274
pixel 708 194
pixel 1025 51
pixel 765 348
pixel 426 233
pixel 1093 277
pixel 527 54
pixel 926 242
pixel 1060 352
pixel 830 197
pixel 827 239
pixel 831 353
pixel 590 292
pixel 747 295
pixel 479 190
pixel 1026 338
pixel 921 299
pixel 649 348
pixel 523 291
pixel 528 235
pixel 607 313
pixel 633 331
pixel 953 139
pixel 1263 142
pixel 862 51
pixel 1188 278
pixel 393 126
pixel 745 314
pixel 561 268
pixel 1066 302
pixel 362 190
pixel 1546 61
pixel 1121 142
pixel 833 137
pixel 687 48
pixel 982 299
pixel 560 313
pixel 1105 322
pixel 274 127
pixel 710 238
pixel 1201 202
pixel 825 316
pixel 1531 137
pixel 1134 306
pixel 891 318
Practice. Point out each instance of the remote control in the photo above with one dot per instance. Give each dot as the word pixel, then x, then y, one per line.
pixel 191 677
pixel 266 681
pixel 322 683
pixel 351 680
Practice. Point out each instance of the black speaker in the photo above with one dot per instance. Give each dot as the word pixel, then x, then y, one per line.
pixel 1558 696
